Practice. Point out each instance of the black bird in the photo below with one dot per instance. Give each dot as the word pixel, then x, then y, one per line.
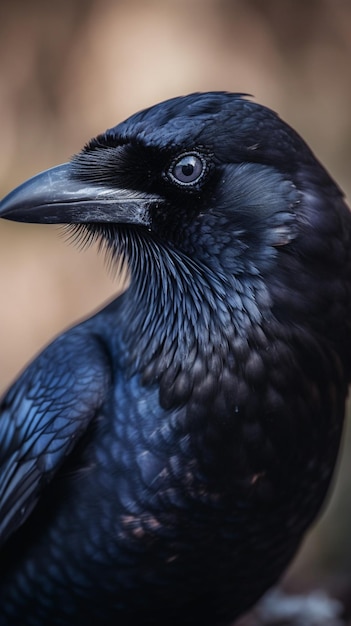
pixel 161 461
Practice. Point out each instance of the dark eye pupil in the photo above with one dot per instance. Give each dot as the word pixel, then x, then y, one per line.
pixel 188 169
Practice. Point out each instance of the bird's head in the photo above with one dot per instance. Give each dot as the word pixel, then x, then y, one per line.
pixel 215 177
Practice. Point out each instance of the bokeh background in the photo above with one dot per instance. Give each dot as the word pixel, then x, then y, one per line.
pixel 73 68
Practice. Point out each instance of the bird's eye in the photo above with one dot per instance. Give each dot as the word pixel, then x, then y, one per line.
pixel 188 169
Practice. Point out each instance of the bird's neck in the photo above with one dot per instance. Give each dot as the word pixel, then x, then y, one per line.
pixel 182 320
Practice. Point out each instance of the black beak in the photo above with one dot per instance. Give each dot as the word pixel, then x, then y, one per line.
pixel 58 196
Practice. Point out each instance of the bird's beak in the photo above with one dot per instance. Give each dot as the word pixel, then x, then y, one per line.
pixel 58 196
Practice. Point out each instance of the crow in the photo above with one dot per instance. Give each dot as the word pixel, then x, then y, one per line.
pixel 161 461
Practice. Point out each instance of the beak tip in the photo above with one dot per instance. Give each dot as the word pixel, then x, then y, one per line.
pixel 26 202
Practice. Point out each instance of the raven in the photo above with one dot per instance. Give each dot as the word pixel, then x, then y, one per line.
pixel 161 461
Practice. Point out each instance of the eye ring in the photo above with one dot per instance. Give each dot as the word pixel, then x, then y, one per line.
pixel 187 169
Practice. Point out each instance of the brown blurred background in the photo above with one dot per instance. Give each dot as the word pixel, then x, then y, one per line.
pixel 73 68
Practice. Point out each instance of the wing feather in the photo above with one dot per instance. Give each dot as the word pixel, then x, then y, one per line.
pixel 43 415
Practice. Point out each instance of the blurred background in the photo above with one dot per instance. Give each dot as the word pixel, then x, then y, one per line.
pixel 71 69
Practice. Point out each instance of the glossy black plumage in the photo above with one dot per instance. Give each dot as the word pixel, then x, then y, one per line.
pixel 161 461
